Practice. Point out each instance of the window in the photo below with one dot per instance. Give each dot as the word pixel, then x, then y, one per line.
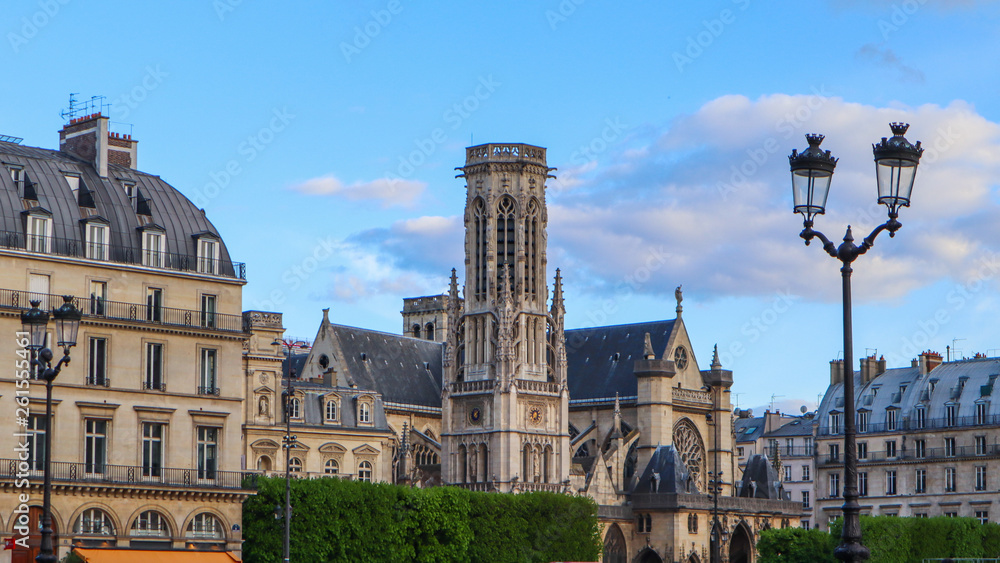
pixel 834 452
pixel 805 524
pixel 863 417
pixel 921 417
pixel 152 449
pixel 98 297
pixel 97 241
pixel 295 407
pixel 295 465
pixel 835 485
pixel 39 234
pixel 951 515
pixel 739 451
pixel 805 473
pixel 208 311
pixel 97 366
pixel 949 447
pixel 891 416
pixel 921 481
pixel 208 451
pixel 152 249
pixel 208 256
pixel 692 523
pixel 920 515
pixel 835 419
pixel 74 185
pixel 951 415
pixel 205 526
pixel 949 480
pixel 862 450
pixel 208 372
pixel 789 446
pixel 154 367
pixel 154 304
pixel 95 445
pixel 980 445
pixel 331 410
pixel 981 413
pixel 920 448
pixel 808 445
pixel 17 175
pixel 788 473
pixel 365 471
pixel 863 484
pixel 772 446
pixel 331 467
pixel 890 449
pixel 983 516
pixel 36 442
pixel 94 522
pixel 150 524
pixel 129 189
pixel 364 413
pixel 980 477
pixel 805 499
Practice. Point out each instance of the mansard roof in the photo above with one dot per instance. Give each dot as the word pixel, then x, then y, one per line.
pixel 600 359
pixel 46 170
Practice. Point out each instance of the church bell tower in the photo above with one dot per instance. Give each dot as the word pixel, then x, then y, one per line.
pixel 505 400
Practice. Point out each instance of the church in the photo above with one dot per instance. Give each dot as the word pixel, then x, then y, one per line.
pixel 487 389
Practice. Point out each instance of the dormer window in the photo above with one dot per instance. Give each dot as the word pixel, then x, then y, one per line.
pixel 130 192
pixel 38 234
pixel 74 185
pixel 21 183
pixel 153 246
pixel 365 410
pixel 332 410
pixel 97 236
pixel 208 255
pixel 891 419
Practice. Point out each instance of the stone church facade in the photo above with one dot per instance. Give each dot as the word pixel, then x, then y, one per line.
pixel 489 391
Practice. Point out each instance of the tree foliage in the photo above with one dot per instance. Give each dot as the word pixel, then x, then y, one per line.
pixel 337 520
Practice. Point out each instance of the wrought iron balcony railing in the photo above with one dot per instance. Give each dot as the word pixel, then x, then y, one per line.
pixel 121 254
pixel 136 475
pixel 97 308
pixel 911 424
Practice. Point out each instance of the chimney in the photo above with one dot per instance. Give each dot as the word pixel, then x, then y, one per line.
pixel 88 138
pixel 870 368
pixel 928 361
pixel 772 420
pixel 836 372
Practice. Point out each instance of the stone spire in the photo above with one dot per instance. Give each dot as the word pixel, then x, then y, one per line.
pixel 647 349
pixel 679 296
pixel 716 364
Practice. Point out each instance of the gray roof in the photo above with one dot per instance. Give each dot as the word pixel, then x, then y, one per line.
pixel 749 429
pixel 45 170
pixel 665 473
pixel 802 426
pixel 760 480
pixel 600 359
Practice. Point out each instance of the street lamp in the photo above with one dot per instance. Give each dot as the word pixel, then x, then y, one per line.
pixel 288 442
pixel 896 163
pixel 34 322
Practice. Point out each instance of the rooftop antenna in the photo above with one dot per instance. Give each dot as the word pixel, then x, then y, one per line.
pixel 737 395
pixel 953 347
pixel 96 104
pixel 871 352
pixel 773 397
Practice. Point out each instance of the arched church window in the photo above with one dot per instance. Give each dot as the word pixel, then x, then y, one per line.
pixel 429 331
pixel 416 331
pixel 531 247
pixel 689 445
pixel 506 237
pixel 480 246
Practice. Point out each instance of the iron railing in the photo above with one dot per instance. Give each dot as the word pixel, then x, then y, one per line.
pixel 136 475
pixel 97 308
pixel 106 252
pixel 928 454
pixel 208 391
pixel 966 421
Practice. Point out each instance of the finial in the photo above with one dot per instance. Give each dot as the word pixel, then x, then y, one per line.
pixel 679 296
pixel 899 129
pixel 814 139
pixel 716 364
pixel 618 407
pixel 647 349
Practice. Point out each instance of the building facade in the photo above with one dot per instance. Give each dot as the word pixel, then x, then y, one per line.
pixel 146 429
pixel 927 439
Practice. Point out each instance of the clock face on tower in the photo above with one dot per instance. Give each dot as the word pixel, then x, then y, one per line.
pixel 680 357
pixel 535 415
pixel 475 415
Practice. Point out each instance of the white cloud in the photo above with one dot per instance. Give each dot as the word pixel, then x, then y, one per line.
pixel 388 192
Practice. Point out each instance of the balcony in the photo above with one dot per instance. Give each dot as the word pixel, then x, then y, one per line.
pixel 73 248
pixel 68 472
pixel 930 454
pixel 132 312
pixel 912 424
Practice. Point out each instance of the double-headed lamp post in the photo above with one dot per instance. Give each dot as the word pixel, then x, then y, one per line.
pixel 288 442
pixel 35 322
pixel 896 163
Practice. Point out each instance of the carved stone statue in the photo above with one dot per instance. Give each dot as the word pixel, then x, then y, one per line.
pixel 264 406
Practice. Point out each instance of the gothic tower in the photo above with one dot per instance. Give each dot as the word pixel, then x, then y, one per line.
pixel 505 399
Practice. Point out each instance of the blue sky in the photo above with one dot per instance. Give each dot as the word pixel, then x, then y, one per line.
pixel 321 138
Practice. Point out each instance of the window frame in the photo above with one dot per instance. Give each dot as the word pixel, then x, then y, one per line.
pixel 94 249
pixel 365 471
pixel 834 483
pixel 153 254
pixel 95 442
pixel 153 376
pixel 208 264
pixel 33 241
pixel 208 372
pixel 207 451
pixel 153 448
pixel 97 361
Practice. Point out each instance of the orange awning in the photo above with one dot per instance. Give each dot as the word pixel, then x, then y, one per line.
pixel 92 555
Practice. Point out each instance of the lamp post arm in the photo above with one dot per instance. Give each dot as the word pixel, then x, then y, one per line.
pixel 892 225
pixel 808 233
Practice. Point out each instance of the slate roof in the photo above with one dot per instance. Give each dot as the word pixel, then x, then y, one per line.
pixel 45 169
pixel 600 359
pixel 799 427
pixel 749 429
pixel 665 473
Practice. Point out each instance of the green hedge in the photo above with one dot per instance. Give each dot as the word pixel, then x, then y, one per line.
pixel 335 520
pixel 890 540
